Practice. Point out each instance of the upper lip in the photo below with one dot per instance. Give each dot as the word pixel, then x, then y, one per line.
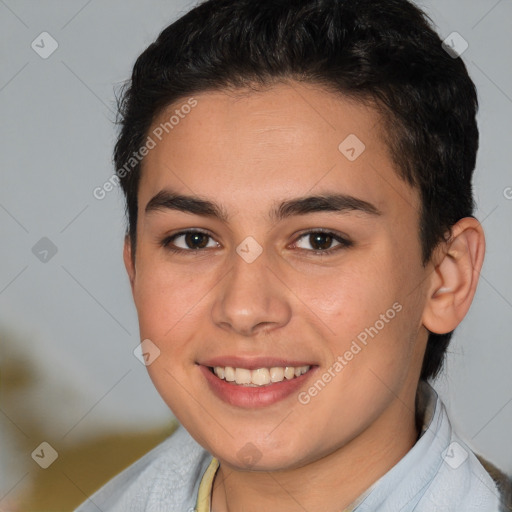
pixel 252 363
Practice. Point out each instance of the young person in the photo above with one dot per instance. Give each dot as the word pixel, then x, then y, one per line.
pixel 300 248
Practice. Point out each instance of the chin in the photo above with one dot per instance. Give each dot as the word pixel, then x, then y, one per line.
pixel 247 455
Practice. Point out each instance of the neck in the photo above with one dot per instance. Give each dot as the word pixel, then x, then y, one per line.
pixel 330 483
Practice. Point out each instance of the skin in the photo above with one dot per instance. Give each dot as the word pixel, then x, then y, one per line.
pixel 247 151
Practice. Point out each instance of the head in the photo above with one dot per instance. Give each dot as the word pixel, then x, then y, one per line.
pixel 264 96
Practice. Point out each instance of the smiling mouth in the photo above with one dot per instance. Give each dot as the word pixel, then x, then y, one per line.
pixel 260 376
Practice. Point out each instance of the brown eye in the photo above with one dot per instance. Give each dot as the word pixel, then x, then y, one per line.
pixel 321 242
pixel 189 241
pixel 196 240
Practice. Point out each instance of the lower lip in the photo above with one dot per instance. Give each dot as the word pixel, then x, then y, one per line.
pixel 252 397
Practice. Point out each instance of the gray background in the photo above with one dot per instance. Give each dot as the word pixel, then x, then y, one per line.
pixel 71 319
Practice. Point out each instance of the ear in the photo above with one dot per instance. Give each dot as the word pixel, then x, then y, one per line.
pixel 457 265
pixel 128 260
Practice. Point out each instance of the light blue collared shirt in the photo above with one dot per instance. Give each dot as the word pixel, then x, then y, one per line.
pixel 438 474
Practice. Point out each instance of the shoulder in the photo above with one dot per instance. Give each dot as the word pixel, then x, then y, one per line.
pixel 166 478
pixel 461 482
pixel 439 474
pixel 503 482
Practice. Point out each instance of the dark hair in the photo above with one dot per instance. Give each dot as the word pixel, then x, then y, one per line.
pixel 385 53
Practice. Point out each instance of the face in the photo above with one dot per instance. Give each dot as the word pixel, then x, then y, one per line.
pixel 277 246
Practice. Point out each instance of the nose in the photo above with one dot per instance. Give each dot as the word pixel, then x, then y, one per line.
pixel 251 299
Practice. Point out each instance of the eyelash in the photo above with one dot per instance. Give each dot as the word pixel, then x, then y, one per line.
pixel 344 243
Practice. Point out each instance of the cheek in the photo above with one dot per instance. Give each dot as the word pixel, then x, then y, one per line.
pixel 350 299
pixel 165 299
pixel 168 304
pixel 370 321
pixel 381 349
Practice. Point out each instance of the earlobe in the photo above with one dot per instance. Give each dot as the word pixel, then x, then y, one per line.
pixel 455 277
pixel 128 260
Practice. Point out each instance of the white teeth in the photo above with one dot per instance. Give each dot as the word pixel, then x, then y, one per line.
pixel 289 372
pixel 260 376
pixel 242 376
pixel 229 373
pixel 276 374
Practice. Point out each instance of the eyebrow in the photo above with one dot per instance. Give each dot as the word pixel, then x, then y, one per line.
pixel 341 203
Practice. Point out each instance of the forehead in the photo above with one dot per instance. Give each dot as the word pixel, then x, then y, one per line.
pixel 250 147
